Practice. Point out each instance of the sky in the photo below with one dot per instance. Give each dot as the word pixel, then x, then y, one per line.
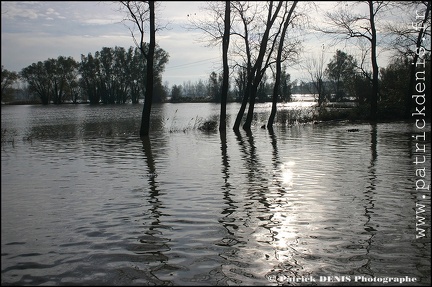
pixel 33 31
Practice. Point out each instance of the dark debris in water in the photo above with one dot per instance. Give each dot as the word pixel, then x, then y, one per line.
pixel 208 126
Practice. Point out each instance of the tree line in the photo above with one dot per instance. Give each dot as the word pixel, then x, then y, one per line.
pixel 110 76
pixel 115 76
pixel 258 40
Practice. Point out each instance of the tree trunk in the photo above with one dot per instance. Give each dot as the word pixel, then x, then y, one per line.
pixel 276 92
pixel 225 45
pixel 246 90
pixel 145 119
pixel 240 113
pixel 276 88
pixel 252 96
pixel 375 88
pixel 257 72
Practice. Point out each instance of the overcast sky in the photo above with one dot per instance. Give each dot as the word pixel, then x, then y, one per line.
pixel 33 31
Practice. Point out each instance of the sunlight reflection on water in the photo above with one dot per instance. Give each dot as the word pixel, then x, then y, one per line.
pixel 85 201
pixel 287 174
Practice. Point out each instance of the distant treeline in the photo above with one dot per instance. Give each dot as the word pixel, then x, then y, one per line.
pixel 114 76
pixel 117 76
pixel 110 76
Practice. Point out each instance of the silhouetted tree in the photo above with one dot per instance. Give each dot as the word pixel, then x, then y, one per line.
pixel 410 38
pixel 285 86
pixel 245 69
pixel 346 23
pixel 106 61
pixel 240 83
pixel 260 33
pixel 225 78
pixel 8 79
pixel 148 96
pixel 259 67
pixel 340 72
pixel 315 67
pixel 160 59
pixel 393 85
pixel 263 90
pixel 176 93
pixel 214 87
pixel 89 70
pixel 139 14
pixel 217 29
pixel 278 74
pixel 52 79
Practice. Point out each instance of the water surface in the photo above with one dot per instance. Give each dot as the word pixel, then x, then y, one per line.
pixel 85 202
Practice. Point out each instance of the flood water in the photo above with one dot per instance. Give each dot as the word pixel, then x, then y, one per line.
pixel 85 202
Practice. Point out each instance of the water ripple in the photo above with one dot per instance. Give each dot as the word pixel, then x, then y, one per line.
pixel 98 206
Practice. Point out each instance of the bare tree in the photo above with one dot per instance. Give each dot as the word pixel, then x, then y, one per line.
pixel 256 35
pixel 315 67
pixel 246 15
pixel 141 12
pixel 8 78
pixel 259 67
pixel 241 9
pixel 217 29
pixel 347 24
pixel 276 90
pixel 416 34
pixel 225 80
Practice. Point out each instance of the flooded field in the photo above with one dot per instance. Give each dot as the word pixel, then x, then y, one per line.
pixel 85 202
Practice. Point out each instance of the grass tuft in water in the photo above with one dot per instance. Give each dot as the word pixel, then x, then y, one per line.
pixel 209 126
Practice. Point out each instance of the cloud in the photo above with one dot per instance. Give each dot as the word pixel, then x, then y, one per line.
pixel 16 9
pixel 190 60
pixel 38 30
pixel 22 53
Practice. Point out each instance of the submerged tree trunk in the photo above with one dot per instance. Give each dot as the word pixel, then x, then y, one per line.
pixel 276 88
pixel 242 108
pixel 246 91
pixel 252 96
pixel 375 88
pixel 145 119
pixel 258 70
pixel 225 45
